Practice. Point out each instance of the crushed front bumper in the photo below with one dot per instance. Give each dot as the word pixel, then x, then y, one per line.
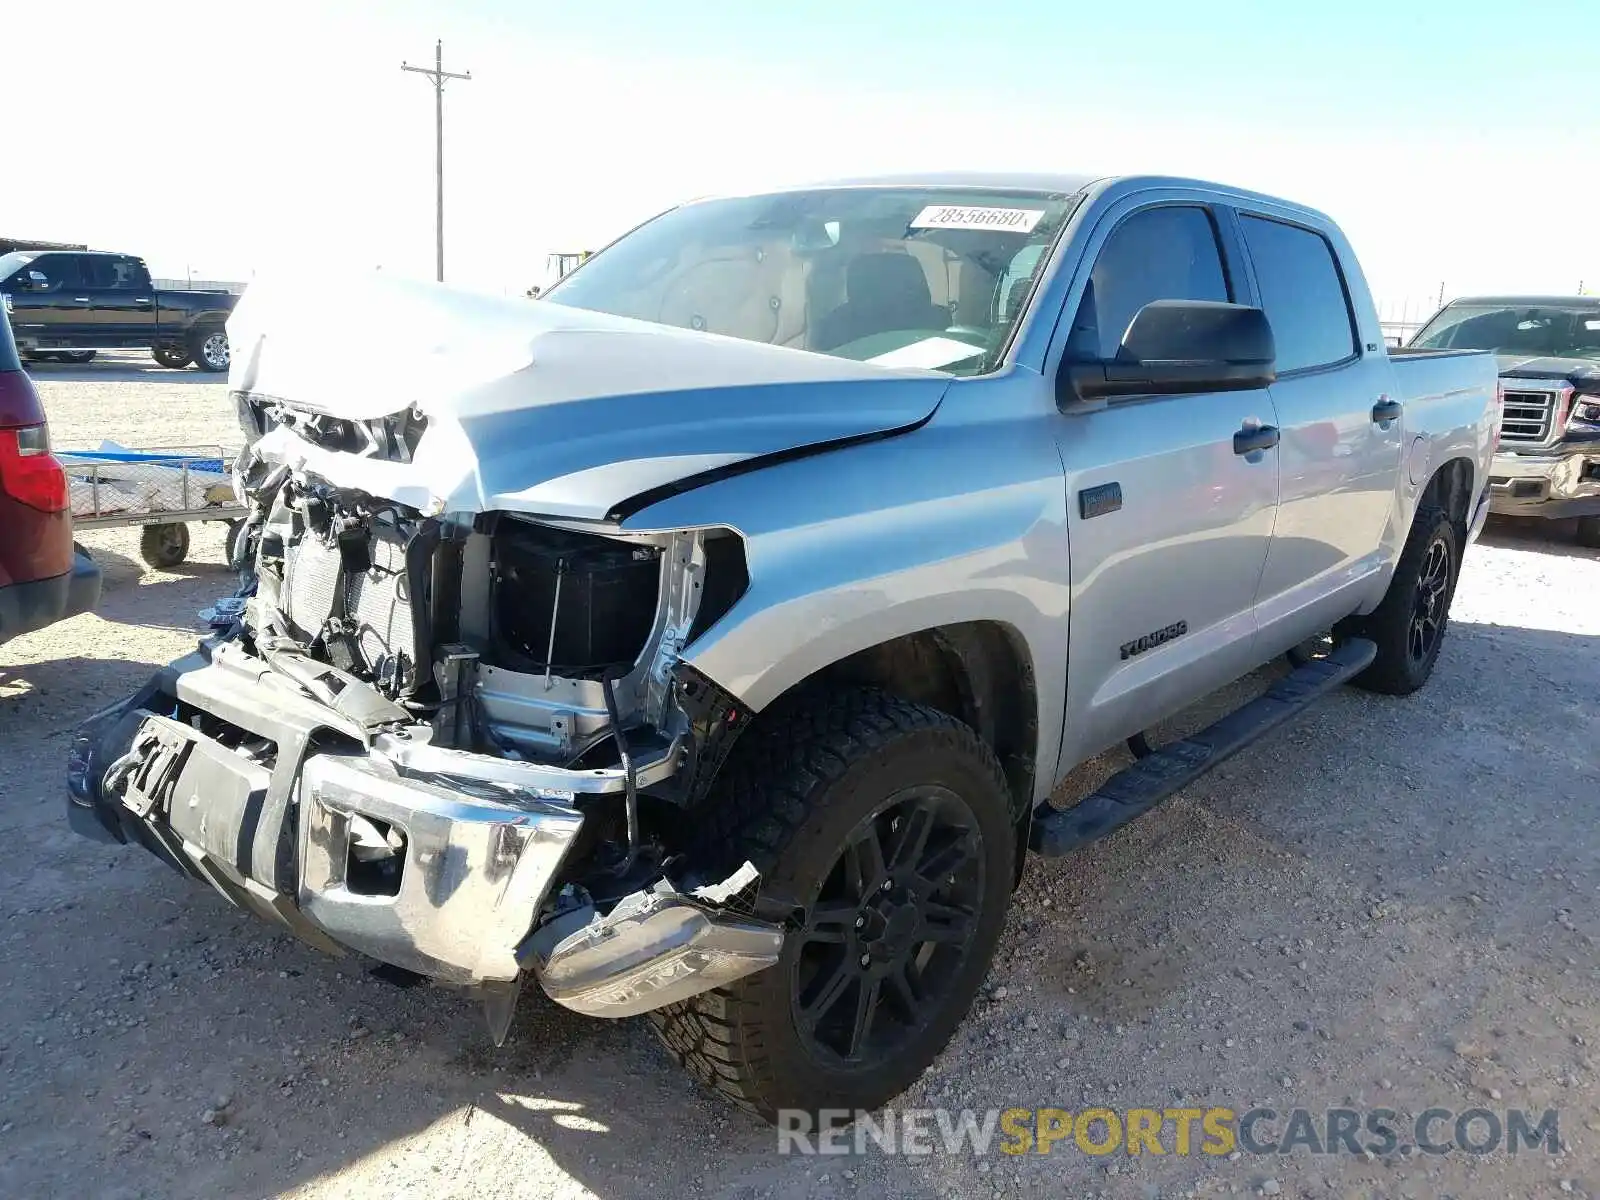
pixel 233 775
pixel 277 812
pixel 1564 482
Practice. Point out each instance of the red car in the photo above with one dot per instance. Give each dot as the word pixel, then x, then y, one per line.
pixel 44 575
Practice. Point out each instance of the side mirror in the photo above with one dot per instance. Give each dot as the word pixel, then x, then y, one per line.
pixel 1179 347
pixel 34 281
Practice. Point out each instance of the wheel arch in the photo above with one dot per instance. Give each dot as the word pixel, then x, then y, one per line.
pixel 978 671
pixel 1451 487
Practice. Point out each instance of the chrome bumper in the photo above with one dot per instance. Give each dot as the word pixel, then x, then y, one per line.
pixel 1564 483
pixel 431 859
pixel 653 948
pixel 469 846
pixel 478 847
pixel 473 875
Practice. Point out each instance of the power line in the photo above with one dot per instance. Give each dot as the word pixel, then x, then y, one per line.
pixel 438 75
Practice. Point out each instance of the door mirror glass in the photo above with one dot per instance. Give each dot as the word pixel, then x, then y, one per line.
pixel 35 281
pixel 1179 347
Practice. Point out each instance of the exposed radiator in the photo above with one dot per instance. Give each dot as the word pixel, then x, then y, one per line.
pixel 366 621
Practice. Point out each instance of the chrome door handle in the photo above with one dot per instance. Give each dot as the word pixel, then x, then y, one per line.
pixel 80 299
pixel 141 300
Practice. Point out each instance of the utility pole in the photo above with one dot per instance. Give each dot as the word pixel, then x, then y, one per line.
pixel 438 75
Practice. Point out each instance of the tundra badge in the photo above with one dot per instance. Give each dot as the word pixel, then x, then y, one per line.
pixel 1151 640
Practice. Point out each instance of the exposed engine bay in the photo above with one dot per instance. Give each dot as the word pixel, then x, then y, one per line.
pixel 507 637
pixel 462 745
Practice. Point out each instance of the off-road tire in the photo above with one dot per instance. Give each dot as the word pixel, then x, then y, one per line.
pixel 165 545
pixel 1588 533
pixel 795 789
pixel 1398 670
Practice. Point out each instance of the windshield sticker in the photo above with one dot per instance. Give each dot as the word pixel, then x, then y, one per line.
pixel 929 354
pixel 1009 220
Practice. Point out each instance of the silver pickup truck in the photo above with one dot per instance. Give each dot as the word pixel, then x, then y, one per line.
pixel 708 639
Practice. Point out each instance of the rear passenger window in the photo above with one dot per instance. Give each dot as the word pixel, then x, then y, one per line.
pixel 126 274
pixel 1302 292
pixel 1167 253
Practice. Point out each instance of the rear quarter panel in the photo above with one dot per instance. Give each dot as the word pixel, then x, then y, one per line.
pixel 180 312
pixel 1451 414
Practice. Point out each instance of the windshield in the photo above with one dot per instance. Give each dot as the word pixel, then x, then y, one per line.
pixel 13 262
pixel 1537 330
pixel 917 277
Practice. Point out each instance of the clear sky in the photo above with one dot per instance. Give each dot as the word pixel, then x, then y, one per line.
pixel 1456 142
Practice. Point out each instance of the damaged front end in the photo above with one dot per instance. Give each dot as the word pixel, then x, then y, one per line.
pixel 461 744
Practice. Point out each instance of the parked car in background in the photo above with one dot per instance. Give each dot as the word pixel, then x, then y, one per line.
pixel 707 639
pixel 66 305
pixel 1548 464
pixel 44 576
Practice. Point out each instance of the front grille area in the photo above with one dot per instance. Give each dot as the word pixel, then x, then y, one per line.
pixel 1527 417
pixel 364 621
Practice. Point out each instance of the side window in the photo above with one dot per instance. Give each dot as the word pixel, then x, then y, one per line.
pixel 1168 253
pixel 97 273
pixel 1303 293
pixel 127 274
pixel 60 270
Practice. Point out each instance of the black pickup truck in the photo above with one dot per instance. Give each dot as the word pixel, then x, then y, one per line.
pixel 65 305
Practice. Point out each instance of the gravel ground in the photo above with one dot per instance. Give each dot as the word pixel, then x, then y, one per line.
pixel 1390 903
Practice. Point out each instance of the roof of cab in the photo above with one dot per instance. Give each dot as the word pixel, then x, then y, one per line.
pixel 1031 181
pixel 1535 301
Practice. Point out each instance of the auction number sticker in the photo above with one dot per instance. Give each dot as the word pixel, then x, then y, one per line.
pixel 948 216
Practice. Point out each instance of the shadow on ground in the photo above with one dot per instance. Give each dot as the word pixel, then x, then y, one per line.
pixel 125 370
pixel 1533 533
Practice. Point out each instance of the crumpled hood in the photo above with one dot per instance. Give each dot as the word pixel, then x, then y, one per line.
pixel 1581 372
pixel 536 407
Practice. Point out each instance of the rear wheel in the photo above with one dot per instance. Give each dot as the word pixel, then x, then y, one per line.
pixel 164 545
pixel 210 349
pixel 1589 532
pixel 1409 625
pixel 884 835
pixel 174 357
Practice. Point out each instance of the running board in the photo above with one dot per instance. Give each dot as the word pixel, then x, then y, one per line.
pixel 1138 788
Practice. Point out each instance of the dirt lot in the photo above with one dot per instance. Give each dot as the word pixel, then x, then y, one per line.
pixel 1392 903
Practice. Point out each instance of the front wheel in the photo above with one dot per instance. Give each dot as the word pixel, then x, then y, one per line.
pixel 210 350
pixel 884 835
pixel 1409 625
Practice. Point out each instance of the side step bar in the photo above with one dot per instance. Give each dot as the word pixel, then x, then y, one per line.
pixel 1138 788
